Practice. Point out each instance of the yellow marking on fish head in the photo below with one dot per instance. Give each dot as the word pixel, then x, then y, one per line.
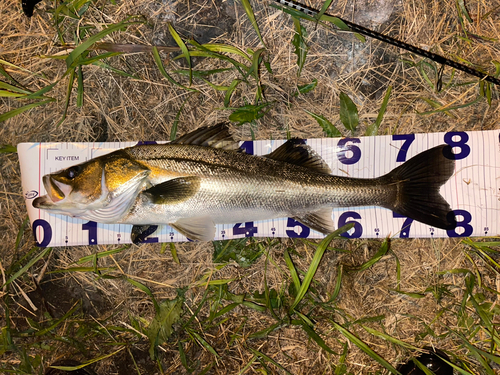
pixel 82 181
pixel 120 171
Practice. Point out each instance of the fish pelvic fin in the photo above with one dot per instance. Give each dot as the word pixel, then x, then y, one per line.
pixel 417 183
pixel 196 228
pixel 139 233
pixel 296 152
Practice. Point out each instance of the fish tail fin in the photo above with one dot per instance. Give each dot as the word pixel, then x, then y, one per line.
pixel 418 182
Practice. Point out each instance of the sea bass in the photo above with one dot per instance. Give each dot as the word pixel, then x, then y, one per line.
pixel 201 180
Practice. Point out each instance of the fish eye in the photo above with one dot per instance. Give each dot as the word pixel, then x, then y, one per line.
pixel 73 171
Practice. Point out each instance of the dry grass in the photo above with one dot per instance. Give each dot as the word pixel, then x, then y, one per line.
pixel 118 108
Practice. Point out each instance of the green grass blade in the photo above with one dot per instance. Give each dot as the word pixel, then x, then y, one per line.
pixel 251 17
pixel 103 65
pixel 71 81
pixel 184 49
pixel 226 48
pixel 12 88
pixel 304 89
pixel 373 128
pixel 10 94
pixel 225 309
pixel 341 25
pixel 59 321
pixel 85 364
pixel 269 359
pixel 299 43
pixel 27 266
pixel 79 95
pixel 41 92
pixel 247 366
pixel 102 254
pixel 384 248
pixel 21 231
pixel 230 90
pixel 93 59
pixel 146 290
pixel 313 335
pixel 7 149
pixel 323 9
pixel 71 60
pixel 365 348
pixel 338 283
pixel 348 112
pixel 328 127
pixel 173 135
pixel 18 111
pixel 162 70
pixel 202 341
pixel 257 56
pixel 389 338
pixel 265 332
pixel 293 271
pixel 320 250
pixel 173 251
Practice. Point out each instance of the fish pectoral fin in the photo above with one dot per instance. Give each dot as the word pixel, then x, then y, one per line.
pixel 320 221
pixel 174 191
pixel 216 136
pixel 197 228
pixel 139 233
pixel 296 152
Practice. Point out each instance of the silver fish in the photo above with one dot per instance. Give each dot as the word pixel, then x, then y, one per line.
pixel 201 180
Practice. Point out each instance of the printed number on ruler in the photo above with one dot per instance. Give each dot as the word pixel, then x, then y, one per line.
pixel 303 231
pixel 357 231
pixel 408 140
pixel 248 230
pixel 91 226
pixel 47 232
pixel 247 146
pixel 464 223
pixel 461 144
pixel 344 148
pixel 405 228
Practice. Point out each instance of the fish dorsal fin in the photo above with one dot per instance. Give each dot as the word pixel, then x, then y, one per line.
pixel 295 151
pixel 216 136
pixel 175 190
pixel 320 221
pixel 196 228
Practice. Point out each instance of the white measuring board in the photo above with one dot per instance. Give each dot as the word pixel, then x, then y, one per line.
pixel 473 191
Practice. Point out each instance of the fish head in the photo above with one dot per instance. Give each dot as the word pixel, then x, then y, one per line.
pixel 94 185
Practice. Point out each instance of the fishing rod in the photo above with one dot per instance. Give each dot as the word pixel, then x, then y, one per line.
pixel 387 39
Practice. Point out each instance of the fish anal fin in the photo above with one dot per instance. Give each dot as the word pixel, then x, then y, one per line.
pixel 197 228
pixel 320 221
pixel 175 190
pixel 216 136
pixel 296 152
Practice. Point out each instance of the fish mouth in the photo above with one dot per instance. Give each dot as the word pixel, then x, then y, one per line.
pixel 56 191
pixel 43 202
